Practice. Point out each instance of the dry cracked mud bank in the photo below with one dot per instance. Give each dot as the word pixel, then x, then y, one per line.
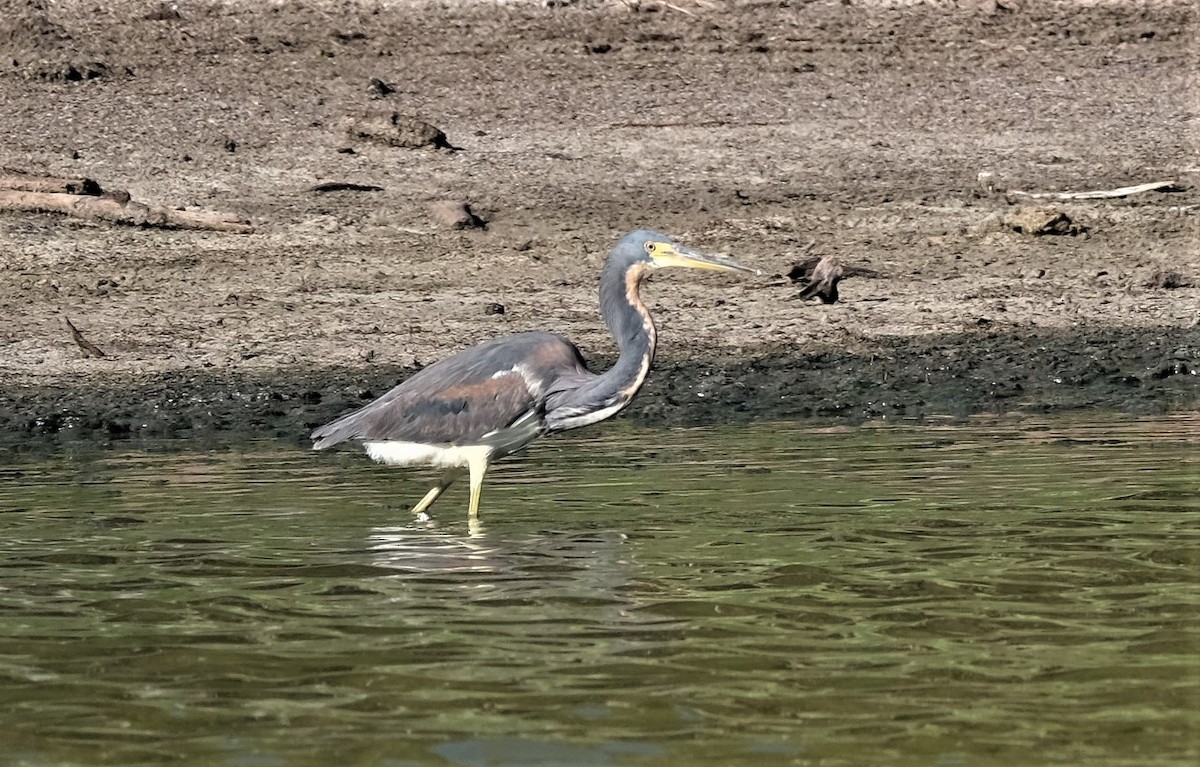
pixel 885 134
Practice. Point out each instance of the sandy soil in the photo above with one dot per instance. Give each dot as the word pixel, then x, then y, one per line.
pixel 765 130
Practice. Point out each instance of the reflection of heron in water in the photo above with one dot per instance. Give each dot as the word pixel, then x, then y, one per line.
pixel 419 552
pixel 592 565
pixel 515 613
pixel 489 401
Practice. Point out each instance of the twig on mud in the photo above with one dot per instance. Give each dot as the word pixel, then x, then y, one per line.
pixel 83 198
pixel 699 124
pixel 88 348
pixel 1100 194
pixel 681 10
pixel 635 5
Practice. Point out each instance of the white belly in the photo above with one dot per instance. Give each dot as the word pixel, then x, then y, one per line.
pixel 410 453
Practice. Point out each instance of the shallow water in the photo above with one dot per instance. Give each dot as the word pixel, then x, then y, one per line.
pixel 1012 593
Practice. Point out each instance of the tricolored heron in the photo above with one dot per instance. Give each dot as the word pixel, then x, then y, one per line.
pixel 489 401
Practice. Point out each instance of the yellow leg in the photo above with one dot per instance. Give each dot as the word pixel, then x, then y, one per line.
pixel 477 464
pixel 435 491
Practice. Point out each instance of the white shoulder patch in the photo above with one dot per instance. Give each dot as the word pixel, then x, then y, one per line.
pixel 533 383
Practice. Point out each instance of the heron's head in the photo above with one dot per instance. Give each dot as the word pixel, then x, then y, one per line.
pixel 645 249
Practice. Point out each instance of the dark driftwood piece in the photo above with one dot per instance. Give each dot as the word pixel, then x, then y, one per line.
pixel 344 186
pixel 83 198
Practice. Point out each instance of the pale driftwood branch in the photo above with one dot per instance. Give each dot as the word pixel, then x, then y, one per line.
pixel 119 208
pixel 1099 194
pixel 88 348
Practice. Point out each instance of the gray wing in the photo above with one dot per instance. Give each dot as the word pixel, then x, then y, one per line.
pixel 465 398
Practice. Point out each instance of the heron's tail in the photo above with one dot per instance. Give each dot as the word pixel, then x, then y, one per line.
pixel 336 431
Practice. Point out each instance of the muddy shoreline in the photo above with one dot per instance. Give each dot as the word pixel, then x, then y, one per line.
pixel 888 135
pixel 903 379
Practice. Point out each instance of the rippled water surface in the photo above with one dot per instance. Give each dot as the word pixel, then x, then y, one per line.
pixel 1018 594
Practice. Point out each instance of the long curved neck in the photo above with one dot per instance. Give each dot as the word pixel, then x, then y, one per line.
pixel 598 397
pixel 631 326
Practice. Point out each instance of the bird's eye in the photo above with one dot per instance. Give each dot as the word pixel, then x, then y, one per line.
pixel 651 247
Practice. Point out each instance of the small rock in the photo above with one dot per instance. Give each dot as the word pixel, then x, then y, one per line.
pixel 378 88
pixel 1170 368
pixel 454 214
pixel 1166 279
pixel 993 222
pixel 1041 220
pixel 494 309
pixel 395 129
pixel 164 12
pixel 70 71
